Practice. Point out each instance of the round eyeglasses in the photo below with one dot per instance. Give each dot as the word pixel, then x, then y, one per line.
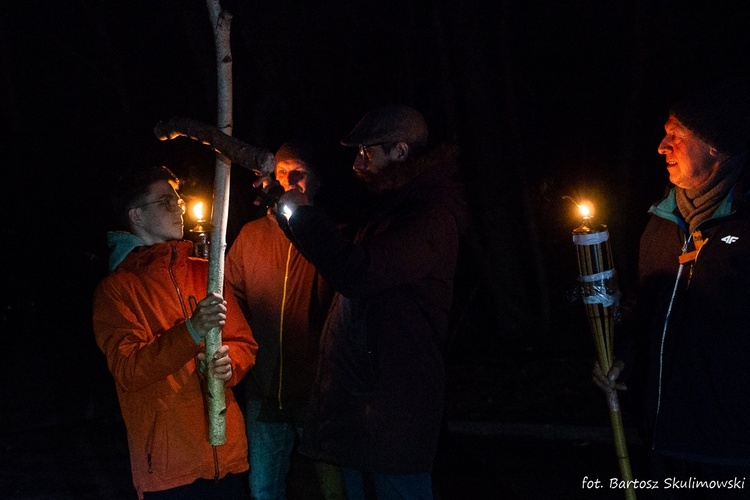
pixel 365 150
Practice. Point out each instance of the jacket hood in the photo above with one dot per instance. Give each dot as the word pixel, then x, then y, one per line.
pixel 121 244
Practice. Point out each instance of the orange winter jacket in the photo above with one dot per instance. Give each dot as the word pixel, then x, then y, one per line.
pixel 139 323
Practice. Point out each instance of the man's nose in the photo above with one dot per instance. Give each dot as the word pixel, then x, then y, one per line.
pixel 295 176
pixel 359 163
pixel 664 146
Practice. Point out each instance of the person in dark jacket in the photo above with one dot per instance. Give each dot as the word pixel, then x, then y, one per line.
pixel 377 403
pixel 285 301
pixel 691 374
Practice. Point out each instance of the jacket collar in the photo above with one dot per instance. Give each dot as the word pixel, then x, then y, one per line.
pixel 736 199
pixel 130 251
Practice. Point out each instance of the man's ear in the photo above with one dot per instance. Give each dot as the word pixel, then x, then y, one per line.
pixel 135 218
pixel 399 151
pixel 718 155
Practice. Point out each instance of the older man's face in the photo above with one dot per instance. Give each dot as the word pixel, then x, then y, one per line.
pixel 689 159
pixel 296 174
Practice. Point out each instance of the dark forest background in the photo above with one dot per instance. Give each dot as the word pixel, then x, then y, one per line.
pixel 546 99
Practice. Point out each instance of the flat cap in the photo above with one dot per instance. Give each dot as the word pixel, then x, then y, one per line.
pixel 393 123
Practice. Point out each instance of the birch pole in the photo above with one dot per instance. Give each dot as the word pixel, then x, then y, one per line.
pixel 220 21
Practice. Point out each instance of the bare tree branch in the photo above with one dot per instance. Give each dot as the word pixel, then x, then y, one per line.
pixel 251 157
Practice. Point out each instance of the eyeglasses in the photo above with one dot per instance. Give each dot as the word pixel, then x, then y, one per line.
pixel 365 152
pixel 169 203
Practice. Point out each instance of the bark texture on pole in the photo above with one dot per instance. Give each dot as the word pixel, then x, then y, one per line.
pixel 220 21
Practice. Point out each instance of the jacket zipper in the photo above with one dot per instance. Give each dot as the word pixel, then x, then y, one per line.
pixel 669 312
pixel 174 282
pixel 202 385
pixel 661 353
pixel 281 324
pixel 666 321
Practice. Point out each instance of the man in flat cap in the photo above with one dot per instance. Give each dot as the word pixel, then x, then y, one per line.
pixel 691 374
pixel 377 404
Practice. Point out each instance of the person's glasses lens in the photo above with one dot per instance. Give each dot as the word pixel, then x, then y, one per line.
pixel 174 205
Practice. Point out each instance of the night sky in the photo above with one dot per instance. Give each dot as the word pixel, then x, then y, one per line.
pixel 546 99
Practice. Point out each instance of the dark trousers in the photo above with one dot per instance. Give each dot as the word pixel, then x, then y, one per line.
pixel 230 487
pixel 368 486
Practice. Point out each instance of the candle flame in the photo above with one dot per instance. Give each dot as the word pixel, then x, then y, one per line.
pixel 198 210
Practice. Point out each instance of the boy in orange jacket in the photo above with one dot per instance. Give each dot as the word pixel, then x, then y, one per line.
pixel 150 325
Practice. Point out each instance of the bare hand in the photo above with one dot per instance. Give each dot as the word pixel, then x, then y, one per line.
pixel 266 183
pixel 608 382
pixel 211 312
pixel 220 366
pixel 263 181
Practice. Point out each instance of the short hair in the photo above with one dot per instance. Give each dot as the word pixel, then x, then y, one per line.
pixel 132 187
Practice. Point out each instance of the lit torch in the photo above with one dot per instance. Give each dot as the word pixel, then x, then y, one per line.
pixel 600 293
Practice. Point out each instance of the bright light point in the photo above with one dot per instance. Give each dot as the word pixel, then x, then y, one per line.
pixel 198 210
pixel 586 209
pixel 287 212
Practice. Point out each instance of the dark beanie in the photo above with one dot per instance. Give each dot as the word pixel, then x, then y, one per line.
pixel 303 152
pixel 719 115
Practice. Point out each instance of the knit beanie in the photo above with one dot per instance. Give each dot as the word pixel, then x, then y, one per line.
pixel 719 115
pixel 298 151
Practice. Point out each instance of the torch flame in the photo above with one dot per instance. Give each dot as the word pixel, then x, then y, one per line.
pixel 198 210
pixel 585 209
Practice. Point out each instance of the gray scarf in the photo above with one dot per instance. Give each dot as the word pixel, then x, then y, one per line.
pixel 698 204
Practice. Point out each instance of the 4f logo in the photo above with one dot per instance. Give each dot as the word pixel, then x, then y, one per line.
pixel 729 239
